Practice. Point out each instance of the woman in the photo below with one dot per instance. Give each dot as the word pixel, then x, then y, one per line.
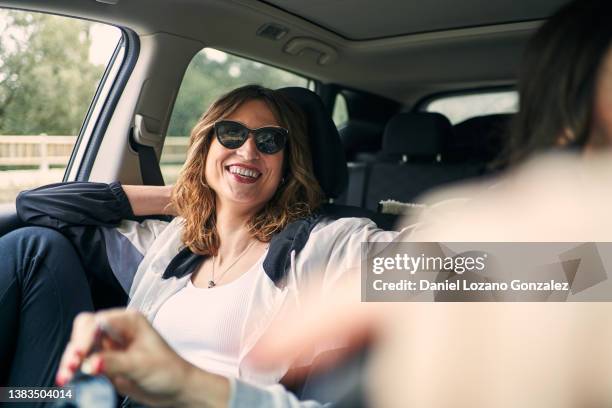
pixel 211 280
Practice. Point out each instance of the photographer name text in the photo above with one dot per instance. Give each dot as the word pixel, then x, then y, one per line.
pixel 466 285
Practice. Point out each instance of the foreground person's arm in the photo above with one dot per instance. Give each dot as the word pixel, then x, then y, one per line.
pixel 476 355
pixel 146 369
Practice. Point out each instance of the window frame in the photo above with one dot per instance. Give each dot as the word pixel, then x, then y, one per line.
pixel 82 158
pixel 81 162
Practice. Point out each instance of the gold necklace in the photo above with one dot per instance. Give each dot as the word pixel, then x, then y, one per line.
pixel 211 282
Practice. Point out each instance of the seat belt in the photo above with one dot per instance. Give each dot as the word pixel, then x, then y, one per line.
pixel 358 179
pixel 149 166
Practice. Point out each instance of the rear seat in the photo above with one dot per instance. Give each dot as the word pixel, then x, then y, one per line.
pixel 361 140
pixel 422 151
pixel 411 161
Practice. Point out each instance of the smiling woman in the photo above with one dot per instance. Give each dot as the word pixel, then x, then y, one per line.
pixel 265 202
pixel 249 237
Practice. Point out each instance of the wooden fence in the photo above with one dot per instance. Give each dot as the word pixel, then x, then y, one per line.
pixel 41 151
pixel 44 151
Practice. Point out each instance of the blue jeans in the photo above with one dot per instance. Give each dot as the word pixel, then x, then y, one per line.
pixel 43 286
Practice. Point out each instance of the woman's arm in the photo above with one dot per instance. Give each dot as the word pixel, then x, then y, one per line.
pixel 86 203
pixel 150 200
pixel 334 250
pixel 99 220
pixel 62 205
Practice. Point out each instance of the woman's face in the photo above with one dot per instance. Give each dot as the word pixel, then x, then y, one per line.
pixel 247 191
pixel 602 112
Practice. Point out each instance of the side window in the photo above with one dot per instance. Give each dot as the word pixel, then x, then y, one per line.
pixel 210 74
pixel 50 68
pixel 462 107
pixel 340 114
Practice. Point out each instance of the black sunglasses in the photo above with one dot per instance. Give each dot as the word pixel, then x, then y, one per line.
pixel 268 139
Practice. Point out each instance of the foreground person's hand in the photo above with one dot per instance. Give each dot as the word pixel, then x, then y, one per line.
pixel 138 362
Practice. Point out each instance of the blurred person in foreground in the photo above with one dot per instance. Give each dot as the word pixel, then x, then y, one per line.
pixel 506 354
pixel 467 354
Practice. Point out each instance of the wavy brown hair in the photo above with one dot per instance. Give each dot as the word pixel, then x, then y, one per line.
pixel 296 197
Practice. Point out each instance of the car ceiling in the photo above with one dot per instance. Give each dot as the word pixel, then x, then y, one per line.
pixel 368 20
pixel 403 50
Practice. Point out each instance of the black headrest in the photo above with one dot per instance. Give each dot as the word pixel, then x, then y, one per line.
pixel 479 138
pixel 415 134
pixel 327 153
pixel 359 136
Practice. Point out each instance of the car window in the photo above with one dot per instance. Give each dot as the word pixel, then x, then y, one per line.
pixel 50 68
pixel 461 107
pixel 340 113
pixel 210 74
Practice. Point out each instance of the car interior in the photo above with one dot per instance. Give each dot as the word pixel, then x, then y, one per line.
pixel 389 62
pixel 385 59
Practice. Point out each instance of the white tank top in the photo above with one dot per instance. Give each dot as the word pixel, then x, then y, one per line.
pixel 204 326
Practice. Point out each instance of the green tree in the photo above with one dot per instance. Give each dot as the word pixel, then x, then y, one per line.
pixel 46 79
pixel 208 78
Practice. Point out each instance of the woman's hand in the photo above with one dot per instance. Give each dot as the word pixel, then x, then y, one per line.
pixel 138 362
pixel 150 200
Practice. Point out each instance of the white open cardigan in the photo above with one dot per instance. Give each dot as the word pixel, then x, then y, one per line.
pixel 332 252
